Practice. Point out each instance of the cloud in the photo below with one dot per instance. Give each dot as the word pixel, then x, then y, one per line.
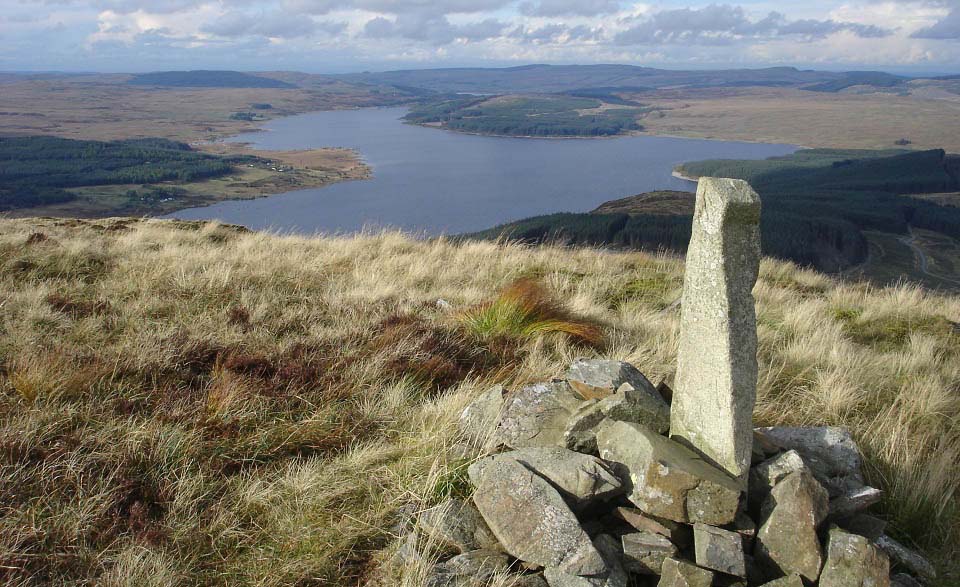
pixel 555 33
pixel 723 24
pixel 946 28
pixel 433 29
pixel 275 25
pixel 569 7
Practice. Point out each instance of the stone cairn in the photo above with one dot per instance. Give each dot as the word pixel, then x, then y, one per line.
pixel 602 479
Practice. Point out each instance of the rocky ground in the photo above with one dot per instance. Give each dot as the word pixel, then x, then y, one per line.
pixel 583 488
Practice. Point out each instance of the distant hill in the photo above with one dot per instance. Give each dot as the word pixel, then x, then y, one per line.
pixel 566 78
pixel 877 79
pixel 206 79
pixel 818 205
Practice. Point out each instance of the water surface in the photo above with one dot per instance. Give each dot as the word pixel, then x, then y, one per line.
pixel 434 181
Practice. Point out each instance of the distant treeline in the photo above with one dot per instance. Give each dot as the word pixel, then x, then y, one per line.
pixel 206 79
pixel 816 204
pixel 542 116
pixel 38 170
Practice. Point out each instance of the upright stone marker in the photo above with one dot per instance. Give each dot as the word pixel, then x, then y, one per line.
pixel 716 382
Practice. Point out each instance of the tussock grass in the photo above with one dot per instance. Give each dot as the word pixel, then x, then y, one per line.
pixel 187 403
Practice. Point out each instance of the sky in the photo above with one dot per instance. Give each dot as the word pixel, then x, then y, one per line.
pixel 334 36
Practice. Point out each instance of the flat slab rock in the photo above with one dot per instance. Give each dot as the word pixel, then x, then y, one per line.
pixel 537 415
pixel 667 479
pixel 581 479
pixel 719 549
pixel 645 552
pixel 531 519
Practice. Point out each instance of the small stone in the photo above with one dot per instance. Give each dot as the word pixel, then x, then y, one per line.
pixel 679 534
pixel 478 421
pixel 719 549
pixel 470 569
pixel 581 479
pixel 537 415
pixel 788 581
pixel 443 305
pixel 853 562
pixel 787 541
pixel 456 525
pixel 667 479
pixel 854 501
pixel 531 520
pixel 644 552
pixel 864 525
pixel 599 378
pixel 615 576
pixel 830 453
pixel 680 573
pixel 907 557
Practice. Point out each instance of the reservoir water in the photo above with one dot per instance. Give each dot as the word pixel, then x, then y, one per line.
pixel 433 181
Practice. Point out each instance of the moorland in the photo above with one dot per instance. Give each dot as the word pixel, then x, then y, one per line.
pixel 190 403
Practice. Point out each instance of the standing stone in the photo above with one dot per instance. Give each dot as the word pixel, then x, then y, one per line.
pixel 853 562
pixel 716 382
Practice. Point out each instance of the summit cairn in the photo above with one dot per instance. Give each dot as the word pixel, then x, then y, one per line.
pixel 577 482
pixel 716 383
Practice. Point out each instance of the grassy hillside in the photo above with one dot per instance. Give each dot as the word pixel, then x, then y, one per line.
pixel 185 403
pixel 206 79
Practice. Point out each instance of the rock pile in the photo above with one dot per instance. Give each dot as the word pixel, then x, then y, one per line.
pixel 582 488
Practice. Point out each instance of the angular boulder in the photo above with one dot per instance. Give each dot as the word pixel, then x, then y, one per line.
pixel 599 378
pixel 536 415
pixel 864 525
pixel 479 419
pixel 830 453
pixel 680 573
pixel 854 501
pixel 769 472
pixel 470 569
pixel 852 561
pixel 907 557
pixel 788 581
pixel 644 552
pixel 615 576
pixel 719 549
pixel 581 479
pixel 626 404
pixel 677 533
pixel 456 524
pixel 667 479
pixel 532 521
pixel 787 541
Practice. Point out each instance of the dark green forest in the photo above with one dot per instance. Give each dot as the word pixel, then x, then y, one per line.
pixel 816 204
pixel 38 170
pixel 540 116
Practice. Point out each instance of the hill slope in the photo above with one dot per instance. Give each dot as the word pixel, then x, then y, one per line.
pixel 186 403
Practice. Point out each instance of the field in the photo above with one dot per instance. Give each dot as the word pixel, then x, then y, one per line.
pixel 812 119
pixel 188 403
pixel 924 257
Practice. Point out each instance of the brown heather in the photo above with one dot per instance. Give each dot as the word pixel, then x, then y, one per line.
pixel 186 404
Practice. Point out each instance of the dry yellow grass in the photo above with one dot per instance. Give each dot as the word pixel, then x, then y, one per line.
pixel 190 404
